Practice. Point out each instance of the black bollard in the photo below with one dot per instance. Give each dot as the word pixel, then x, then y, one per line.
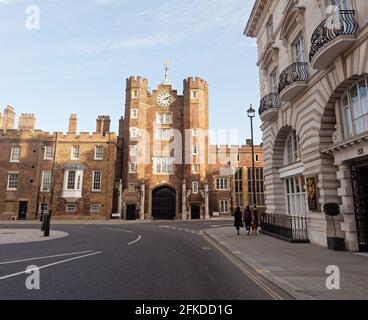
pixel 43 221
pixel 47 219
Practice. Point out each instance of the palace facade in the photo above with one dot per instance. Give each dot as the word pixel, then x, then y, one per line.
pixel 169 169
pixel 313 67
pixel 159 166
pixel 70 175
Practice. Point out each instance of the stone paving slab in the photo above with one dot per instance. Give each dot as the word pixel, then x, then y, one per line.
pixel 13 236
pixel 299 269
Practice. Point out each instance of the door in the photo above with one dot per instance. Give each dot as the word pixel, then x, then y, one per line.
pixel 131 212
pixel 196 213
pixel 163 204
pixel 23 207
pixel 360 183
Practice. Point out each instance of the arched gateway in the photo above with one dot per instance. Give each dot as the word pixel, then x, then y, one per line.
pixel 163 203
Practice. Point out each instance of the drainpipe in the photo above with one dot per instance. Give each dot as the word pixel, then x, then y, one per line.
pixel 207 200
pixel 184 201
pixel 143 197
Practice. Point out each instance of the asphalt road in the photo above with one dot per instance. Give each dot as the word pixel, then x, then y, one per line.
pixel 155 261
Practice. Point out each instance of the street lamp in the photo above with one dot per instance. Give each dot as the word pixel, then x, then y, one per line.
pixel 251 115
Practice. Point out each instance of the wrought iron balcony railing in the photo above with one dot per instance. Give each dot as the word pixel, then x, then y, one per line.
pixel 341 23
pixel 296 72
pixel 270 101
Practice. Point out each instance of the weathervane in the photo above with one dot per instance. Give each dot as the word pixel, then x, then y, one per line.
pixel 166 65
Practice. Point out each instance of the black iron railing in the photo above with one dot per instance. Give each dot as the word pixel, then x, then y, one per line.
pixel 291 228
pixel 341 23
pixel 270 101
pixel 296 72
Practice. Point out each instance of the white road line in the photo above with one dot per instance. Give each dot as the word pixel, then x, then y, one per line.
pixel 49 265
pixel 120 230
pixel 135 241
pixel 46 257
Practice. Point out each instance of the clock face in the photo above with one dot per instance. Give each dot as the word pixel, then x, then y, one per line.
pixel 165 99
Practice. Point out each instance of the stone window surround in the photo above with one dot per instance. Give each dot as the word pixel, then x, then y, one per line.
pixel 224 204
pixel 222 183
pixel 71 207
pixel 96 181
pixel 132 168
pixel 48 153
pixel 134 113
pixel 290 35
pixel 46 181
pixel 99 155
pixel 15 154
pixel 163 163
pixel 341 110
pixel 195 187
pixel 13 178
pixel 95 208
pixel 75 153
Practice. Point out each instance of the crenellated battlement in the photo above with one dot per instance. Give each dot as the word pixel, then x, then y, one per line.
pixel 195 83
pixel 136 82
pixel 66 137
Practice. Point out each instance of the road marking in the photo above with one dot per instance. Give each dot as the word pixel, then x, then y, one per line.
pixel 262 271
pixel 50 265
pixel 235 261
pixel 135 241
pixel 119 230
pixel 46 257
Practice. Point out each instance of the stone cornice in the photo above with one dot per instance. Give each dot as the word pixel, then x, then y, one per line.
pixel 347 143
pixel 253 20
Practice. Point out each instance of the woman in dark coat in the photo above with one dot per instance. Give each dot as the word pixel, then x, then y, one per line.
pixel 238 223
pixel 248 219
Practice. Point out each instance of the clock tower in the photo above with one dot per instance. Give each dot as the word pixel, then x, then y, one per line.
pixel 165 149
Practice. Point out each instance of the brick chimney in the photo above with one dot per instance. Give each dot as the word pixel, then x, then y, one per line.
pixel 103 124
pixel 9 118
pixel 73 122
pixel 121 127
pixel 27 121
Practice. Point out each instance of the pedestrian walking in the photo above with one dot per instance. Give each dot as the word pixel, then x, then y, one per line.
pixel 248 219
pixel 238 223
pixel 255 222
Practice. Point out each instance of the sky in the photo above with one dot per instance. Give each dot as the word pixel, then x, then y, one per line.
pixel 77 58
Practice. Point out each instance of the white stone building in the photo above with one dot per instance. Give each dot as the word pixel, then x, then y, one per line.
pixel 313 63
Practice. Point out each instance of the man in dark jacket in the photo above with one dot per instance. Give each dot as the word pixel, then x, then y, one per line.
pixel 238 220
pixel 248 219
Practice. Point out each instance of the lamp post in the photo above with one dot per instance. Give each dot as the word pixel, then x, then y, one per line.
pixel 251 115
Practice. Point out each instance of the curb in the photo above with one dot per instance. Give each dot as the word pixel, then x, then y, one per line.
pixel 275 280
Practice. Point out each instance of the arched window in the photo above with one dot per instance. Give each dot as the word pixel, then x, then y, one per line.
pixel 292 149
pixel 354 103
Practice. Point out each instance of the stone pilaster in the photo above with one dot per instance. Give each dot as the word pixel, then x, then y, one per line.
pixel 347 208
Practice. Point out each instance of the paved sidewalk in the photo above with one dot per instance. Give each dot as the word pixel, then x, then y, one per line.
pixel 299 269
pixel 12 236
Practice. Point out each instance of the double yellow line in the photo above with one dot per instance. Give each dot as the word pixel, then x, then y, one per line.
pixel 232 259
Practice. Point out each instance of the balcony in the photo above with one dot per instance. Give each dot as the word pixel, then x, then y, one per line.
pixel 71 195
pixel 332 37
pixel 270 105
pixel 293 80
